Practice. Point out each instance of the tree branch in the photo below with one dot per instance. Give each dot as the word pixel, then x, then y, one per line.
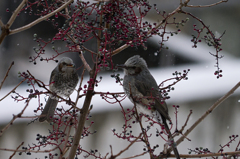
pixel 206 155
pixel 40 19
pixel 14 118
pixel 114 156
pixel 13 89
pixel 84 62
pixel 16 150
pixel 6 74
pixel 34 151
pixel 83 115
pixel 214 106
pixel 15 13
pixel 1 23
pixel 123 47
pixel 204 6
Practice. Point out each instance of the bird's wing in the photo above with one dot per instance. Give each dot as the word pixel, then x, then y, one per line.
pixel 52 78
pixel 53 74
pixel 145 87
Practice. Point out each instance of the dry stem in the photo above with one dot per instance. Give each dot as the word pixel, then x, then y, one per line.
pixel 12 90
pixel 41 18
pixel 83 115
pixel 206 155
pixel 16 150
pixel 209 5
pixel 34 151
pixel 13 119
pixel 6 75
pixel 114 156
pixel 214 106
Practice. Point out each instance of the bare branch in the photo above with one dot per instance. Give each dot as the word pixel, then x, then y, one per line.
pixel 5 28
pixel 1 23
pixel 185 124
pixel 83 115
pixel 109 93
pixel 102 0
pixel 41 18
pixel 84 62
pixel 13 89
pixel 135 156
pixel 6 74
pixel 204 6
pixel 120 49
pixel 215 105
pixel 81 54
pixel 114 156
pixel 206 155
pixel 13 119
pixel 43 151
pixel 15 13
pixel 80 85
pixel 149 32
pixel 65 148
pixel 89 50
pixel 16 150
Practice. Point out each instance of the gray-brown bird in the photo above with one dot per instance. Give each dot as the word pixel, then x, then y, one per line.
pixel 63 81
pixel 142 89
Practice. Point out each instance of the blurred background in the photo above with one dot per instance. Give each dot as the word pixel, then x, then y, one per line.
pixel 198 93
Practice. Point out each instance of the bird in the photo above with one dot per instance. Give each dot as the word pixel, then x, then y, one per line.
pixel 142 89
pixel 63 80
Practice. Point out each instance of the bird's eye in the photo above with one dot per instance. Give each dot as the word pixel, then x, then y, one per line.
pixel 138 70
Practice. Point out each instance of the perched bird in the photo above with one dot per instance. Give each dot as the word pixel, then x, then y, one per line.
pixel 142 89
pixel 63 81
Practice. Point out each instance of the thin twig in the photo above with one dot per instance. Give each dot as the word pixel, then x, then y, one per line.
pixel 66 10
pixel 111 150
pixel 88 50
pixel 83 114
pixel 206 155
pixel 1 23
pixel 214 106
pixel 106 155
pixel 237 146
pixel 14 118
pixel 120 49
pixel 114 156
pixel 123 47
pixel 80 85
pixel 33 151
pixel 102 0
pixel 135 156
pixel 16 150
pixel 185 124
pixel 204 6
pixel 65 148
pixel 6 74
pixel 112 93
pixel 13 89
pixel 41 18
pixel 84 62
pixel 81 54
pixel 15 13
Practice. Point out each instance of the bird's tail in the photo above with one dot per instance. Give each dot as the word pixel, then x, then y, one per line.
pixel 174 147
pixel 49 109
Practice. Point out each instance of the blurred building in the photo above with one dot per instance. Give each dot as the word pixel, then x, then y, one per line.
pixel 197 94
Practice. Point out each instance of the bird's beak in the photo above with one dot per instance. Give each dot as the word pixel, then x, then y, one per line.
pixel 71 65
pixel 121 66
